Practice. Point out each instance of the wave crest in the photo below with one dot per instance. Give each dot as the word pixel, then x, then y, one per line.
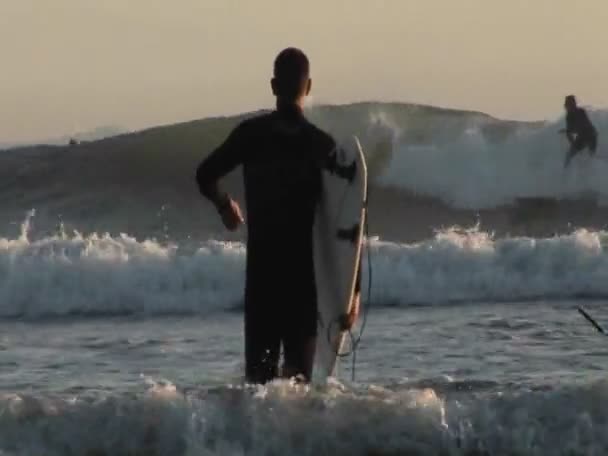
pixel 108 275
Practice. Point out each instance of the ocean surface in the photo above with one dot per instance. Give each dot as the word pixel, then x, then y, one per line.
pixel 121 299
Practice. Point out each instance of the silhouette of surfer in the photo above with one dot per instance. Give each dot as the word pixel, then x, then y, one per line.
pixel 282 155
pixel 579 130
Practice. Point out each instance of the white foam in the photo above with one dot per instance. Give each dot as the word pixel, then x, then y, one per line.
pixel 103 274
pixel 466 169
pixel 76 274
pixel 472 266
pixel 286 419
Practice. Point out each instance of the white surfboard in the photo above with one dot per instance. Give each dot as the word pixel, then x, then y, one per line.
pixel 338 234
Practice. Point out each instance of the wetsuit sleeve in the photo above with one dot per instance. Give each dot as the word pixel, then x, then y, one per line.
pixel 219 163
pixel 569 124
pixel 570 127
pixel 586 123
pixel 324 148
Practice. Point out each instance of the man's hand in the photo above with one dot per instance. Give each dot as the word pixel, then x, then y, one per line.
pixel 231 214
pixel 347 321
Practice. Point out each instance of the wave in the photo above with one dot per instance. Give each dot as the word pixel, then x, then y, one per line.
pixel 469 171
pixel 429 167
pixel 120 184
pixel 283 418
pixel 95 134
pixel 166 155
pixel 64 275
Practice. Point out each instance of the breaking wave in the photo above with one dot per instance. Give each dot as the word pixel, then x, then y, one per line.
pixel 73 274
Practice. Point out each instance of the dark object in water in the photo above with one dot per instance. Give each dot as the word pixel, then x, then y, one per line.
pixel 591 320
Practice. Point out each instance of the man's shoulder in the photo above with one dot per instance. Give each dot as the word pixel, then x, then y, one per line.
pixel 321 138
pixel 249 127
pixel 255 121
pixel 266 121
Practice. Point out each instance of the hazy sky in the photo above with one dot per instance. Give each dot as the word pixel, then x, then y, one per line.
pixel 71 65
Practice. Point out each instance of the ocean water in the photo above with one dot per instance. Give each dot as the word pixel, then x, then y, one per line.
pixel 121 302
pixel 473 345
pixel 506 378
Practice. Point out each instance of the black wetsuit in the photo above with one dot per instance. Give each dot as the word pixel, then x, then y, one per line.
pixel 282 156
pixel 581 131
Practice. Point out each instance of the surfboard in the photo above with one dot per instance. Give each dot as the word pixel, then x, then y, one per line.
pixel 338 235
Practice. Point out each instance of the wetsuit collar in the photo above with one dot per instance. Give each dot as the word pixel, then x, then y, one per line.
pixel 290 110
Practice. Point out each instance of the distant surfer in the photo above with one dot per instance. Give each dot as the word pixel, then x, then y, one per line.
pixel 282 155
pixel 579 130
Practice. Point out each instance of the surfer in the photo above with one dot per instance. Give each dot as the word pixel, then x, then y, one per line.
pixel 579 130
pixel 282 154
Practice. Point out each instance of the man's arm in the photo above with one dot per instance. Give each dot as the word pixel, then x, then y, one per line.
pixel 219 163
pixel 569 129
pixel 589 127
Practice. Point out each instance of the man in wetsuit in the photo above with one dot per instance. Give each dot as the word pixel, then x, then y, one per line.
pixel 282 156
pixel 579 130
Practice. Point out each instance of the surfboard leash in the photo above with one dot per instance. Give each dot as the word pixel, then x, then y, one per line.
pixel 356 340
